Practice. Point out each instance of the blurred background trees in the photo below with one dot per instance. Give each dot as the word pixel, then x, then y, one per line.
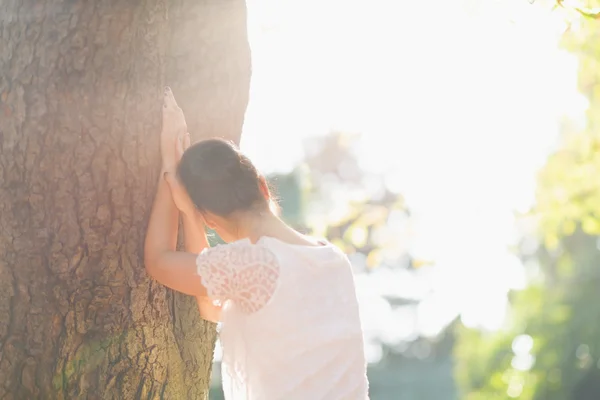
pixel 550 346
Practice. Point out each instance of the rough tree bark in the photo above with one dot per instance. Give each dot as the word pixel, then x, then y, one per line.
pixel 81 86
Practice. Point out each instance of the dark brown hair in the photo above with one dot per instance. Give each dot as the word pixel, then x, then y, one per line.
pixel 219 178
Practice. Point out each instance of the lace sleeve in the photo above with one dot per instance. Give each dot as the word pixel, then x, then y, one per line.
pixel 245 273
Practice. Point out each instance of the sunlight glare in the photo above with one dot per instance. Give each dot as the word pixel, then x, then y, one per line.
pixel 458 119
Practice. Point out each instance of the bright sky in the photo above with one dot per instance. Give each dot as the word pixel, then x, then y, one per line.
pixel 458 103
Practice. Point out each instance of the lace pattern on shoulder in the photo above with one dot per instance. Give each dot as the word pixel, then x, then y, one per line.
pixel 242 272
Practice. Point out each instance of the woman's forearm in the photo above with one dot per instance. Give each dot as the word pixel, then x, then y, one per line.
pixel 161 235
pixel 174 269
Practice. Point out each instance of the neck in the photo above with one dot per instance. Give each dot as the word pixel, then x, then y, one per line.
pixel 257 224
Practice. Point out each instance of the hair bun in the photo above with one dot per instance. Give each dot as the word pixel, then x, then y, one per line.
pixel 219 178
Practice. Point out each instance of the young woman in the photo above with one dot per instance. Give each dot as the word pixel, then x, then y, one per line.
pixel 290 321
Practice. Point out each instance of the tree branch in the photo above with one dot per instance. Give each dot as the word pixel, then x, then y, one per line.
pixel 592 14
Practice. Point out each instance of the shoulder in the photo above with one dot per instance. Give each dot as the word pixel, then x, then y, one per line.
pixel 238 255
pixel 240 271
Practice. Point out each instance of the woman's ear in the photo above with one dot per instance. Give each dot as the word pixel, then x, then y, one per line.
pixel 264 188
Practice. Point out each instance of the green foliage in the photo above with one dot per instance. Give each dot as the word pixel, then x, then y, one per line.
pixel 583 10
pixel 559 312
pixel 564 323
pixel 568 186
pixel 370 215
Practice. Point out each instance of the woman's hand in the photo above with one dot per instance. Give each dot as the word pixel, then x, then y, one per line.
pixel 208 309
pixel 180 196
pixel 174 140
pixel 173 134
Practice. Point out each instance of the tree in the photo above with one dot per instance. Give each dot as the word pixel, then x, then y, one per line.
pixel 549 350
pixel 81 86
pixel 556 314
pixel 567 193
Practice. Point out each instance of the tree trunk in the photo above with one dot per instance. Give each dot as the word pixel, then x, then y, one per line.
pixel 81 86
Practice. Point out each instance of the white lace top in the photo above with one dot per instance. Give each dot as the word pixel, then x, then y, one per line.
pixel 290 323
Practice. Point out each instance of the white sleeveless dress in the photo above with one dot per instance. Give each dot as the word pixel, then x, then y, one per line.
pixel 290 322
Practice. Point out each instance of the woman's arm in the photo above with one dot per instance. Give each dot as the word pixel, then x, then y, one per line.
pixel 194 238
pixel 174 269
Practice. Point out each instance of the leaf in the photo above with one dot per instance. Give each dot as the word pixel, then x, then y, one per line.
pixel 591 225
